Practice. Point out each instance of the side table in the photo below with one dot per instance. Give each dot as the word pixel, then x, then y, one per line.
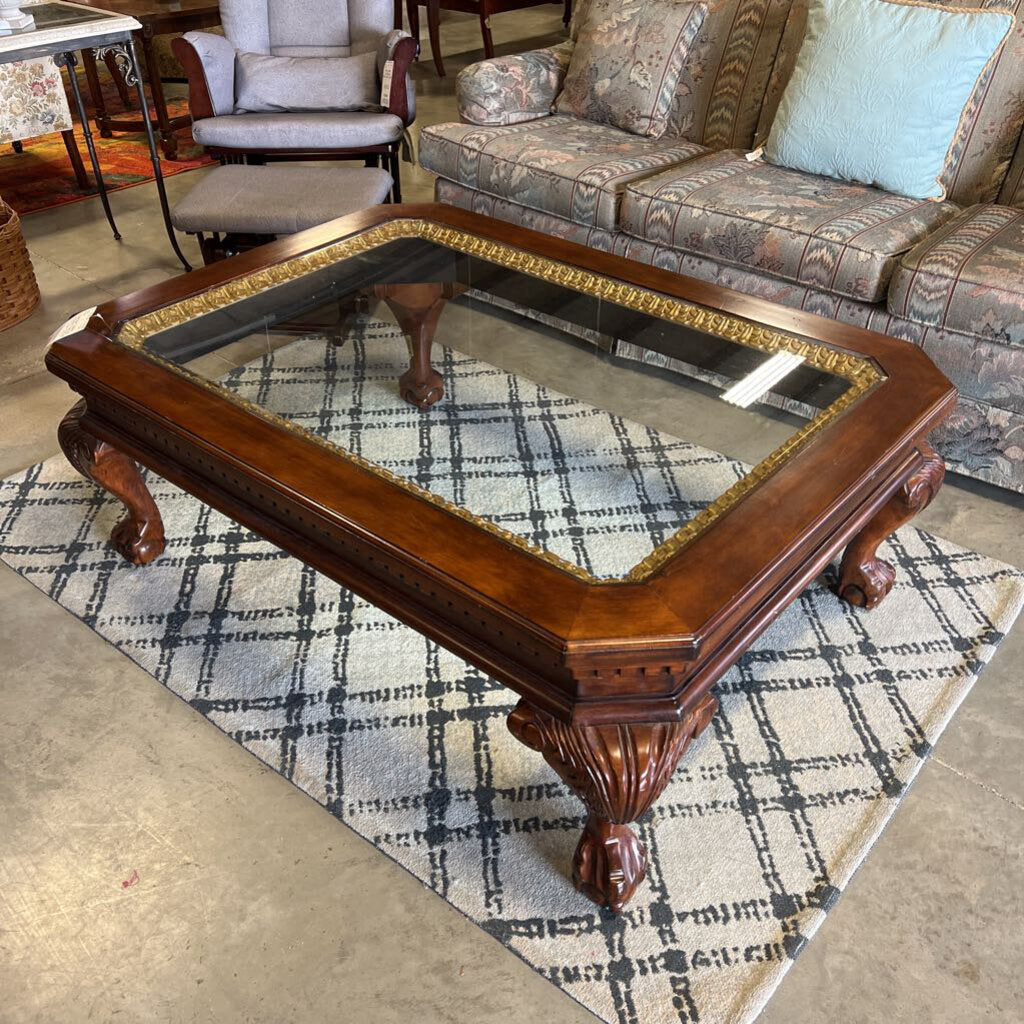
pixel 155 19
pixel 60 30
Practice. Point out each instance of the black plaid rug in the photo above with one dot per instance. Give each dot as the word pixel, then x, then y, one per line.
pixel 823 724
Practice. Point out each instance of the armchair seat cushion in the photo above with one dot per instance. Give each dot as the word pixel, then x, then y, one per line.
pixel 298 131
pixel 967 277
pixel 560 165
pixel 842 237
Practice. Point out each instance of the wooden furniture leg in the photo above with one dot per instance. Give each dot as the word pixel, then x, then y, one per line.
pixel 864 578
pixel 96 92
pixel 168 140
pixel 17 146
pixel 75 156
pixel 412 9
pixel 485 28
pixel 417 308
pixel 567 13
pixel 140 535
pixel 434 29
pixel 618 771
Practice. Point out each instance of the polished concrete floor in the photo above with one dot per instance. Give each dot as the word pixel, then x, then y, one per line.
pixel 249 903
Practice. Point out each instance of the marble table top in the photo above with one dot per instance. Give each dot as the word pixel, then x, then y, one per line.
pixel 59 22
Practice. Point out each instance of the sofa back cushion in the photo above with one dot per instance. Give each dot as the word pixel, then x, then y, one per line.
pixel 627 60
pixel 723 82
pixel 991 125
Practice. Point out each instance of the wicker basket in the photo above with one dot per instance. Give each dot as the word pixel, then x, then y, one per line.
pixel 19 292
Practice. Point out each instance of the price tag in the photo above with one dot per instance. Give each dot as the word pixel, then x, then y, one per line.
pixel 71 325
pixel 385 83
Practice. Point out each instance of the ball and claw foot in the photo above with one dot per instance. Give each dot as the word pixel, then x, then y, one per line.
pixel 618 771
pixel 864 578
pixel 609 863
pixel 421 391
pixel 139 536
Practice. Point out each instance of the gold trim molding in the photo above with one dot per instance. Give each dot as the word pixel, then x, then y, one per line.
pixel 861 373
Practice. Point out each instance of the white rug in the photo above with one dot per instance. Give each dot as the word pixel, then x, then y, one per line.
pixel 823 723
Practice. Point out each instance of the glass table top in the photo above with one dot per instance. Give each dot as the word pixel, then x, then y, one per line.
pixel 598 425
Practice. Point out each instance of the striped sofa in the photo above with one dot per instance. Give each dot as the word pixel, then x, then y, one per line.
pixel 947 276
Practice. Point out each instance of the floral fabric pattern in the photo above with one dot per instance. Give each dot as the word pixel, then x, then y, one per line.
pixel 32 100
pixel 967 277
pixel 560 164
pixel 842 237
pixel 985 436
pixel 1013 186
pixel 991 125
pixel 510 90
pixel 627 61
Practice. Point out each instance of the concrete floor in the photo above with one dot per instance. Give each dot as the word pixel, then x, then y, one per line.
pixel 252 904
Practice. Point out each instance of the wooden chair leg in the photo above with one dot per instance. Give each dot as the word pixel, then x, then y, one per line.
pixel 394 167
pixel 567 13
pixel 434 28
pixel 485 29
pixel 17 146
pixel 412 10
pixel 71 145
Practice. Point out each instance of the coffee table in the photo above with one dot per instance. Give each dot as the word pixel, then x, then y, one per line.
pixel 605 581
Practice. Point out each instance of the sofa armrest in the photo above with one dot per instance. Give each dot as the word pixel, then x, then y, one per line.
pixel 403 49
pixel 209 62
pixel 508 90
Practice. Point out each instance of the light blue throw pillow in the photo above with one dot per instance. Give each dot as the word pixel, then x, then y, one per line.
pixel 878 91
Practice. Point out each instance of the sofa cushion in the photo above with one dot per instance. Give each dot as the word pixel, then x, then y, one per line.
pixel 840 236
pixel 558 164
pixel 627 61
pixel 967 277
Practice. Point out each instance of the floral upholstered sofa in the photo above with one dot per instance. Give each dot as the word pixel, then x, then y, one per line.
pixel 947 276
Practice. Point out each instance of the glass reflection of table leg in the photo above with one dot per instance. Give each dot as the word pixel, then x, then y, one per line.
pixel 70 61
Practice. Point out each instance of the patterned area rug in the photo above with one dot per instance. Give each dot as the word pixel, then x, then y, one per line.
pixel 823 724
pixel 40 177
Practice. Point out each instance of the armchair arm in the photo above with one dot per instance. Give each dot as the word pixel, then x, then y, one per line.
pixel 209 62
pixel 401 48
pixel 507 90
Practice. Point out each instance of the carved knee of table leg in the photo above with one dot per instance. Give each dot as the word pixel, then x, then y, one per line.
pixel 139 537
pixel 618 771
pixel 864 578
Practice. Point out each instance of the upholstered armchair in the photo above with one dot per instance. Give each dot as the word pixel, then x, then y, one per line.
pixel 304 80
pixel 33 103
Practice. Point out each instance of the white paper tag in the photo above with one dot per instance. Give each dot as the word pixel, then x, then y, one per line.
pixel 71 325
pixel 385 83
pixel 755 154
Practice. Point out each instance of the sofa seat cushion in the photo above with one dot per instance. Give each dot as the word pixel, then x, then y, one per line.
pixel 967 277
pixel 559 164
pixel 320 130
pixel 842 237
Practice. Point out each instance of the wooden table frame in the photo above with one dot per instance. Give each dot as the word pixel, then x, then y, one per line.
pixel 614 679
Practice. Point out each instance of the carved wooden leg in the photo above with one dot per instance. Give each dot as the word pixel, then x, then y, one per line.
pixel 140 535
pixel 618 771
pixel 417 308
pixel 864 578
